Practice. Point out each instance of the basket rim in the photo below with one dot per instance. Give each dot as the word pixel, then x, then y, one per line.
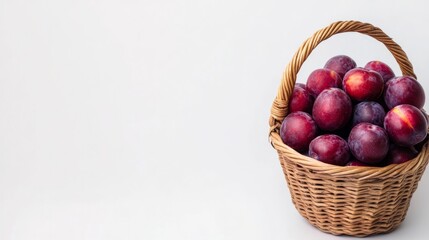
pixel 358 172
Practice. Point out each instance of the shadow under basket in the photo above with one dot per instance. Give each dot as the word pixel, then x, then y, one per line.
pixel 357 201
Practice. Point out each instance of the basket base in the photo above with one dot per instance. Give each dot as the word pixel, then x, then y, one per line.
pixel 327 228
pixel 347 206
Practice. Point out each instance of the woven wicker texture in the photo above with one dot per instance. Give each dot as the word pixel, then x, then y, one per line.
pixel 357 201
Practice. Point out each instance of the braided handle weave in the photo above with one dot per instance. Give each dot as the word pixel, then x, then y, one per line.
pixel 279 108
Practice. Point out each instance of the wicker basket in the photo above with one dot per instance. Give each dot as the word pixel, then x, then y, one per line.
pixel 357 201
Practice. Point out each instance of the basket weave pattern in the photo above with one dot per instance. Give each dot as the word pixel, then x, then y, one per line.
pixel 357 201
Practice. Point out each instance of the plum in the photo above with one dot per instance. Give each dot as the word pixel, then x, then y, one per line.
pixel 301 100
pixel 330 148
pixel 363 85
pixel 404 90
pixel 382 68
pixel 340 64
pixel 368 143
pixel 332 109
pixel 370 112
pixel 398 154
pixel 297 130
pixel 321 79
pixel 406 125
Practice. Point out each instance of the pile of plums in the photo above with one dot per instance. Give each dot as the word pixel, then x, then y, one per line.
pixel 348 115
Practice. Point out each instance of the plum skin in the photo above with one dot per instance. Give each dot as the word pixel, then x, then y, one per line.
pixel 301 85
pixel 356 163
pixel 332 109
pixel 406 125
pixel 382 68
pixel 321 79
pixel 330 148
pixel 341 64
pixel 368 143
pixel 404 90
pixel 298 129
pixel 301 100
pixel 371 112
pixel 363 85
pixel 398 154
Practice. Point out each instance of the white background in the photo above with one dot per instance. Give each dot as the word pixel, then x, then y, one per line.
pixel 149 119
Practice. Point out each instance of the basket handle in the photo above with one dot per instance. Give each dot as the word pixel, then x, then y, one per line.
pixel 279 108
